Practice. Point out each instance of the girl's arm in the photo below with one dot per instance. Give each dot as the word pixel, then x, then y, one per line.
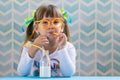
pixel 26 62
pixel 67 58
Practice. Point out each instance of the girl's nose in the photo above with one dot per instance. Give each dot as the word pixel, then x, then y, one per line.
pixel 51 26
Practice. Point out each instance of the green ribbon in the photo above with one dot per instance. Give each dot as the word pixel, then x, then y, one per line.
pixel 29 19
pixel 66 15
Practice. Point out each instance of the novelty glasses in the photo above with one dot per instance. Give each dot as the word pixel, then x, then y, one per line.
pixel 55 22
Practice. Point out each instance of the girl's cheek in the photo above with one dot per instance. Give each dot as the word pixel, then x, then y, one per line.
pixel 43 32
pixel 58 31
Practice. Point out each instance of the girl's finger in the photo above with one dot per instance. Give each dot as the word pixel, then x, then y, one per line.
pixel 45 40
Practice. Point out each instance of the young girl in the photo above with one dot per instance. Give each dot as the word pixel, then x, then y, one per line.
pixel 48 29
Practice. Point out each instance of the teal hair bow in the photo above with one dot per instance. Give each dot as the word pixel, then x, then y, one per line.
pixel 66 15
pixel 28 21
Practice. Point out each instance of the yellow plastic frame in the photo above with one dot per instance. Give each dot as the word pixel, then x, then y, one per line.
pixel 50 21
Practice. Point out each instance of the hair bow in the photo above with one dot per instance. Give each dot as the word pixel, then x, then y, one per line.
pixel 66 15
pixel 28 21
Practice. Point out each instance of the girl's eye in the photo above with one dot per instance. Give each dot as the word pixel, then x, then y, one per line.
pixel 56 22
pixel 45 23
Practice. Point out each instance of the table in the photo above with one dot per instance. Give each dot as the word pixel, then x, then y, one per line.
pixel 38 78
pixel 62 78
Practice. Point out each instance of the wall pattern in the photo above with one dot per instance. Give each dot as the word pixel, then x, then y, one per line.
pixel 95 33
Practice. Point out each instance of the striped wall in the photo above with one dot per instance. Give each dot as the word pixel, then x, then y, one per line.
pixel 95 32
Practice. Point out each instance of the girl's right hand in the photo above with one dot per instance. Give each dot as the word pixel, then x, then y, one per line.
pixel 41 40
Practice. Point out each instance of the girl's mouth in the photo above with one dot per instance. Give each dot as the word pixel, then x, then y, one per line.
pixel 53 33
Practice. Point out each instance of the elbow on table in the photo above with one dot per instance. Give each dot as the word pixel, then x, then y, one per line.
pixel 21 72
pixel 70 72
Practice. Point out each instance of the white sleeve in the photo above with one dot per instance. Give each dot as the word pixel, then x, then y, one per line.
pixel 67 58
pixel 25 64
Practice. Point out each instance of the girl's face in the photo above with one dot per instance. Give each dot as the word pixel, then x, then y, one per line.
pixel 50 26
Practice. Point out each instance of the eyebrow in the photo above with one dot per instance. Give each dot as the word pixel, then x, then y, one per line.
pixel 47 19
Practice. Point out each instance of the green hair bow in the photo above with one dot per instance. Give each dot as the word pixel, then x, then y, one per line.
pixel 28 21
pixel 66 15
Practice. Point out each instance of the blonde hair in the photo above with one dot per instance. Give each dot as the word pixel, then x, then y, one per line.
pixel 45 11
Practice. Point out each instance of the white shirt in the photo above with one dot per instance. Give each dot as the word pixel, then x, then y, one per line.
pixel 62 62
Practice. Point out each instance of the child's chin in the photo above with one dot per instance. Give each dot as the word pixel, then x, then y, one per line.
pixel 51 37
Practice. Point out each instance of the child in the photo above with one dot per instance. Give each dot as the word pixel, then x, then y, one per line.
pixel 48 28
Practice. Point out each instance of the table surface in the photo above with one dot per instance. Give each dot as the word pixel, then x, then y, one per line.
pixel 62 78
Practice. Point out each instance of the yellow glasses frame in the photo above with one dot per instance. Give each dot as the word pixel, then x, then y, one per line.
pixel 50 21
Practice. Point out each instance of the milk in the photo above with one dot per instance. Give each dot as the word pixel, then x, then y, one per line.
pixel 45 71
pixel 45 68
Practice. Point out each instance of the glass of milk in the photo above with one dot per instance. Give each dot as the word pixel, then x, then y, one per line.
pixel 45 68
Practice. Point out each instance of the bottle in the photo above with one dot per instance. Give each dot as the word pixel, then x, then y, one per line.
pixel 45 68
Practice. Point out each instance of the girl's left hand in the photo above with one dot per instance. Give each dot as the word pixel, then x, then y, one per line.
pixel 61 40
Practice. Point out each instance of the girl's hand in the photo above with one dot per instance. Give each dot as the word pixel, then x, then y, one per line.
pixel 41 40
pixel 61 40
